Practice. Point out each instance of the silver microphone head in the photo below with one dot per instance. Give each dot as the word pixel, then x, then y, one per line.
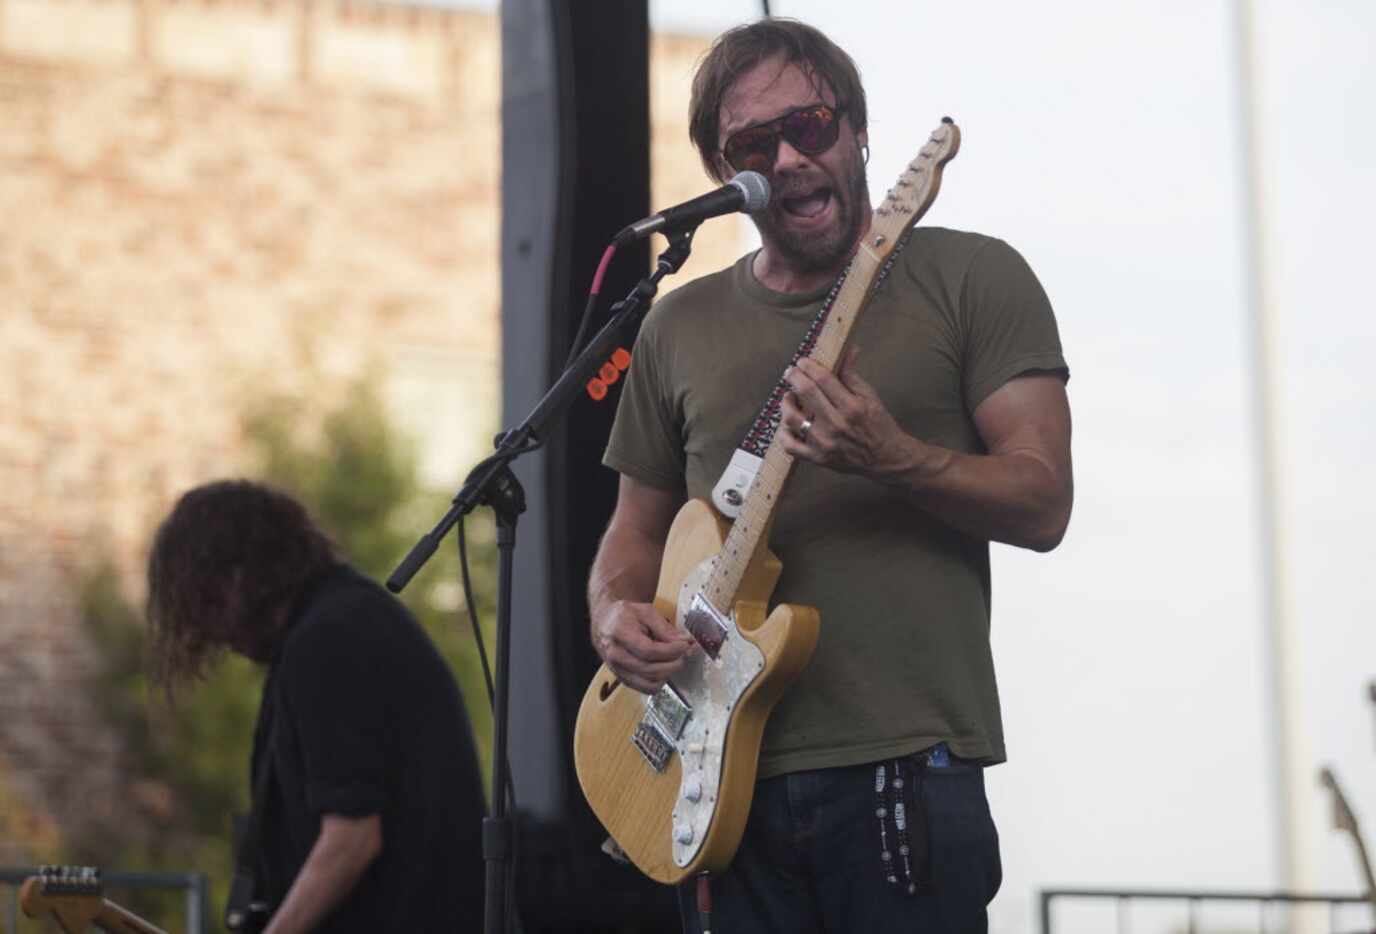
pixel 756 189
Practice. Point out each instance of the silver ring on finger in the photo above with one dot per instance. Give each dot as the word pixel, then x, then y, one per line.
pixel 803 429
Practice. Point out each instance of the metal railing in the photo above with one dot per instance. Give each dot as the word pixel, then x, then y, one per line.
pixel 194 884
pixel 1268 904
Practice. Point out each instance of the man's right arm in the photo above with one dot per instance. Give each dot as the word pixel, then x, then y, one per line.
pixel 639 645
pixel 343 851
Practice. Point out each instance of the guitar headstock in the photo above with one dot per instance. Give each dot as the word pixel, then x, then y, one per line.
pixel 915 190
pixel 72 895
pixel 1343 818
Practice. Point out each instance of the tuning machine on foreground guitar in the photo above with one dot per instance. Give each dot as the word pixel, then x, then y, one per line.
pixel 74 899
pixel 671 775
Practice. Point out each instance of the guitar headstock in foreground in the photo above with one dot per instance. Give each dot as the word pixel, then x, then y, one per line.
pixel 74 898
pixel 71 895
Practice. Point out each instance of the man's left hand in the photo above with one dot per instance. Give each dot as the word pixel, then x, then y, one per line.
pixel 838 420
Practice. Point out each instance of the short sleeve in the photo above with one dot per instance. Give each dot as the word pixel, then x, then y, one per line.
pixel 646 439
pixel 1010 327
pixel 332 686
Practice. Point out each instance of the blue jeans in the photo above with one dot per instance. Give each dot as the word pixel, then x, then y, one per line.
pixel 812 856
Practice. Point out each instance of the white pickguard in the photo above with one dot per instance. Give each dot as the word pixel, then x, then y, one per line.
pixel 713 688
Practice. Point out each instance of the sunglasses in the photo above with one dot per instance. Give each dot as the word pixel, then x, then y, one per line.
pixel 811 130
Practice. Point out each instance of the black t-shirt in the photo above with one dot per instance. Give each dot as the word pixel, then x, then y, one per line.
pixel 364 717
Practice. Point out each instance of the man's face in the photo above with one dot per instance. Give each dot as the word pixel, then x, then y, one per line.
pixel 819 204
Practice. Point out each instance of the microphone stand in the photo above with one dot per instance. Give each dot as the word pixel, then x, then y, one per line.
pixel 492 483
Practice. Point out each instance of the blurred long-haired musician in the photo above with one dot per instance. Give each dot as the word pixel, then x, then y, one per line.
pixel 367 806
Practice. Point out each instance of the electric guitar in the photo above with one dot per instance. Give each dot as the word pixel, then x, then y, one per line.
pixel 671 775
pixel 72 896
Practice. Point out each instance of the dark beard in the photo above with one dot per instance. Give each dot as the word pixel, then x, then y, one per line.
pixel 810 253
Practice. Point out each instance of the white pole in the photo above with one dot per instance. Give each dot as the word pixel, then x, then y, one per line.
pixel 1292 768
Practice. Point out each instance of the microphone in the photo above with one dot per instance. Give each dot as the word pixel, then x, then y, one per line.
pixel 748 192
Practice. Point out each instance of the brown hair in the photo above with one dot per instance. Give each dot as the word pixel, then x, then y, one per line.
pixel 226 565
pixel 738 50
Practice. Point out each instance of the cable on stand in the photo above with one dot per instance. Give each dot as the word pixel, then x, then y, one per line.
pixel 492 483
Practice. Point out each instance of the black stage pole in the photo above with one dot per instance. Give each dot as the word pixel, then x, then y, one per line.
pixel 492 483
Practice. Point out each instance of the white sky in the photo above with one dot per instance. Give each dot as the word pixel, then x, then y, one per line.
pixel 1102 140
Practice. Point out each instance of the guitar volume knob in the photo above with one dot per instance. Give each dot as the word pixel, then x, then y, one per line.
pixel 692 789
pixel 683 832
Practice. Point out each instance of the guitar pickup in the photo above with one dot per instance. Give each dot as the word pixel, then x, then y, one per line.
pixel 706 624
pixel 670 709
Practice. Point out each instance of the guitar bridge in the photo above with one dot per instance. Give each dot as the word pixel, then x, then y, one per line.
pixel 657 733
pixel 653 744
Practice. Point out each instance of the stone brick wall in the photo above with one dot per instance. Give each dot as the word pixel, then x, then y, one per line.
pixel 202 202
pixel 193 219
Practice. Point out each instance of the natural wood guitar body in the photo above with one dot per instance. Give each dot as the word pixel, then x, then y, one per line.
pixel 636 803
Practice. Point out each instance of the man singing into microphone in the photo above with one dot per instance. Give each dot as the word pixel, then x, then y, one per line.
pixel 948 430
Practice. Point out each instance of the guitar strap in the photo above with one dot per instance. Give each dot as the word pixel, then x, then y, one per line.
pixel 253 830
pixel 245 909
pixel 729 493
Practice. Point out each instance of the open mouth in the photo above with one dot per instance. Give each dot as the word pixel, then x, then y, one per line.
pixel 808 205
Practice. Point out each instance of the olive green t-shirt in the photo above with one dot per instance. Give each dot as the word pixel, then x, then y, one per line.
pixel 903 660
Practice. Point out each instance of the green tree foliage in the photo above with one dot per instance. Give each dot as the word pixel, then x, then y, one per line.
pixel 360 482
pixel 189 760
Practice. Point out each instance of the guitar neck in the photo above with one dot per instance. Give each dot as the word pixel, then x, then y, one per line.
pixel 116 920
pixel 902 208
pixel 750 529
